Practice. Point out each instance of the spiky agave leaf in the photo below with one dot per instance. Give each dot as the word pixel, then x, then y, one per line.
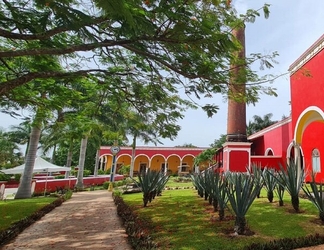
pixel 269 182
pixel 316 196
pixel 292 180
pixel 241 194
pixel 148 182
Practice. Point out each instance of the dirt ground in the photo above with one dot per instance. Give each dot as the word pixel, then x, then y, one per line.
pixel 88 220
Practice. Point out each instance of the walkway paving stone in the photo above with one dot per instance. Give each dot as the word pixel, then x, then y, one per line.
pixel 88 220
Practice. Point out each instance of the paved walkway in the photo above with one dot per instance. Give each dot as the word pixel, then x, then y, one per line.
pixel 88 220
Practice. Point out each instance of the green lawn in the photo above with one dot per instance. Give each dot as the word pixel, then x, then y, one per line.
pixel 180 219
pixel 14 210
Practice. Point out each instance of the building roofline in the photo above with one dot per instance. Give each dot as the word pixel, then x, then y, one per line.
pixel 307 55
pixel 158 148
pixel 267 129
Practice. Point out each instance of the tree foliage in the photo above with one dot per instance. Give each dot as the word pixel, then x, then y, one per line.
pixel 124 45
pixel 258 123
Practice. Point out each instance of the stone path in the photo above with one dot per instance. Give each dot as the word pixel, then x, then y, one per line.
pixel 88 220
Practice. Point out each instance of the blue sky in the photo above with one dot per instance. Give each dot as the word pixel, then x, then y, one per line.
pixel 292 27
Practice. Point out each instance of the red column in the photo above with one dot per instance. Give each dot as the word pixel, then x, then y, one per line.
pixel 237 151
pixel 236 116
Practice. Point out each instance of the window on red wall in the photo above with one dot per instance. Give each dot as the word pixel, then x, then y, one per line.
pixel 316 160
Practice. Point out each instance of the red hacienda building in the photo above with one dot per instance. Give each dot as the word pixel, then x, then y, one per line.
pixel 298 137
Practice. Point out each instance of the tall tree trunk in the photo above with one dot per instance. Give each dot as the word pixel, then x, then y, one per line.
pixel 95 171
pixel 69 158
pixel 53 154
pixel 24 189
pixel 83 149
pixel 131 171
pixel 27 147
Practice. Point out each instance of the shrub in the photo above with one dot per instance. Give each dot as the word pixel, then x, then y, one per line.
pixel 101 172
pixel 68 194
pixel 59 176
pixel 17 177
pixel 105 185
pixel 288 243
pixel 74 173
pixel 136 229
pixel 86 172
pixel 124 170
pixel 4 177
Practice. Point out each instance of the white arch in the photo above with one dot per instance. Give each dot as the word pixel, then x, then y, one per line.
pixel 266 153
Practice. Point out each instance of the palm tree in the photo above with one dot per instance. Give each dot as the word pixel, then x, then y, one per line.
pixel 24 190
pixel 20 134
pixel 10 154
pixel 259 123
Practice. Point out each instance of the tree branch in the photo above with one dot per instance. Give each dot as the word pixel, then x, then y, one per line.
pixel 5 87
pixel 63 51
pixel 49 33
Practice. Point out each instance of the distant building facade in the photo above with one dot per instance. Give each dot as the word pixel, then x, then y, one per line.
pixel 167 159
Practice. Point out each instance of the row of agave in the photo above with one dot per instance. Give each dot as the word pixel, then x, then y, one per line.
pixel 241 189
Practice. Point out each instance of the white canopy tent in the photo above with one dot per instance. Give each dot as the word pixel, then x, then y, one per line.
pixel 41 166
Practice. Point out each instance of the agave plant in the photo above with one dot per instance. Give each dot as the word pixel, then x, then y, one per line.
pixel 151 182
pixel 214 182
pixel 316 196
pixel 241 192
pixel 256 171
pixel 280 190
pixel 161 184
pixel 292 180
pixel 197 181
pixel 219 194
pixel 208 185
pixel 270 182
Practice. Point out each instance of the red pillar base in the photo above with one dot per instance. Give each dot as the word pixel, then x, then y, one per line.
pixel 236 156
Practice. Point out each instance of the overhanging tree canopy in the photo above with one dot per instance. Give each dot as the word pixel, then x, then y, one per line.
pixel 170 44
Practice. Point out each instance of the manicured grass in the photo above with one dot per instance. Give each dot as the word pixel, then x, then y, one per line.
pixel 179 219
pixel 14 210
pixel 175 182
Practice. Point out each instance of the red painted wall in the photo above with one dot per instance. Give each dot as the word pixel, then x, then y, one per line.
pixel 311 140
pixel 307 88
pixel 268 161
pixel 52 185
pixel 277 137
pixel 238 161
